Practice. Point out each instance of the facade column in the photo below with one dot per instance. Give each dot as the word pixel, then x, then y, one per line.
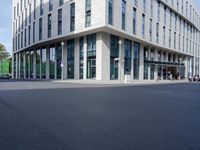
pixel 17 65
pixel 24 60
pixel 103 56
pixel 48 61
pixel 34 64
pixel 77 59
pixel 85 59
pixel 141 68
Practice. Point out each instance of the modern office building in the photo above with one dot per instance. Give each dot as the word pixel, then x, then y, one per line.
pixel 106 39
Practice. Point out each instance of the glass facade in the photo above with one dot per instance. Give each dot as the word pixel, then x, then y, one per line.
pixel 43 62
pixel 31 64
pixel 136 60
pixel 52 63
pixel 22 66
pixel 114 56
pixel 59 61
pixel 127 57
pixel 27 64
pixel 70 59
pixel 38 59
pixel 91 56
pixel 81 42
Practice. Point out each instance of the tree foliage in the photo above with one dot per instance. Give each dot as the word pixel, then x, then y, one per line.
pixel 3 53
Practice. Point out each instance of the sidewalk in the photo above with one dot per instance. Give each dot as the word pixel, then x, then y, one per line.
pixel 116 82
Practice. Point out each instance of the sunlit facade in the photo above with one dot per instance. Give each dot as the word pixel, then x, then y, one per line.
pixel 105 39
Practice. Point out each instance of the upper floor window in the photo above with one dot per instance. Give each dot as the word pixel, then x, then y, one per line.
pixel 143 25
pixel 41 7
pixel 72 17
pixel 61 2
pixel 123 14
pixel 110 12
pixel 50 5
pixel 144 5
pixel 134 20
pixel 87 13
pixel 59 21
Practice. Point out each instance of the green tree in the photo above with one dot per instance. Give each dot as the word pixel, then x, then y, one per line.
pixel 3 53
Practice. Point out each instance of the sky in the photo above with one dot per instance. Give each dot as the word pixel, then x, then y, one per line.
pixel 6 23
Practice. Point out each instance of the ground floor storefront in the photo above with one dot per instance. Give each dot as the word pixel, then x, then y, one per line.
pixel 101 56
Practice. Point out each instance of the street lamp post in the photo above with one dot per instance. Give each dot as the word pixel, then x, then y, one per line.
pixel 62 62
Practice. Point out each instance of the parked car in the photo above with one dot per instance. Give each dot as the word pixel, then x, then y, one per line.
pixel 196 78
pixel 4 76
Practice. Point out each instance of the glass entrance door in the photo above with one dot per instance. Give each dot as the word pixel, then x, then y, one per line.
pixel 91 68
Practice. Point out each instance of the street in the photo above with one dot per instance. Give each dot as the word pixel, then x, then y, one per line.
pixel 64 116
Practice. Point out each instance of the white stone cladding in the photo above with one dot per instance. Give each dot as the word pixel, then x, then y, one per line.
pixel 186 43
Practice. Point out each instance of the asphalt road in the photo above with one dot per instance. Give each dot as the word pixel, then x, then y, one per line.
pixel 151 117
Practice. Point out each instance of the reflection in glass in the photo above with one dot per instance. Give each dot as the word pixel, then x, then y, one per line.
pixel 70 59
pixel 127 57
pixel 38 58
pixel 31 64
pixel 114 54
pixel 91 56
pixel 136 60
pixel 44 61
pixel 52 63
pixel 59 61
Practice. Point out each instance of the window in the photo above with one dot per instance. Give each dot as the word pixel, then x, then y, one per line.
pixel 40 29
pixel 127 57
pixel 152 8
pixel 150 30
pixel 34 13
pixel 22 39
pixel 158 13
pixel 123 14
pixel 26 17
pixel 165 15
pixel 135 2
pixel 72 17
pixel 134 20
pixel 164 35
pixel 50 5
pixel 143 25
pixel 169 37
pixel 87 13
pixel 110 12
pixel 81 42
pixel 41 7
pixel 30 13
pixel 70 59
pixel 91 56
pixel 29 35
pixel 170 18
pixel 49 25
pixel 34 32
pixel 59 21
pixel 157 33
pixel 174 40
pixel 136 60
pixel 61 2
pixel 25 40
pixel 114 55
pixel 144 5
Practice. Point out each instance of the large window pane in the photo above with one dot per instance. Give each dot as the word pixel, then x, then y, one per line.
pixel 136 60
pixel 44 61
pixel 59 60
pixel 70 59
pixel 52 63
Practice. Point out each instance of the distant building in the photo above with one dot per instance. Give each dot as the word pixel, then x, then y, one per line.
pixel 105 39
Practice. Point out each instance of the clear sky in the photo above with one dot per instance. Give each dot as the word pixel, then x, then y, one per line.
pixel 6 23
